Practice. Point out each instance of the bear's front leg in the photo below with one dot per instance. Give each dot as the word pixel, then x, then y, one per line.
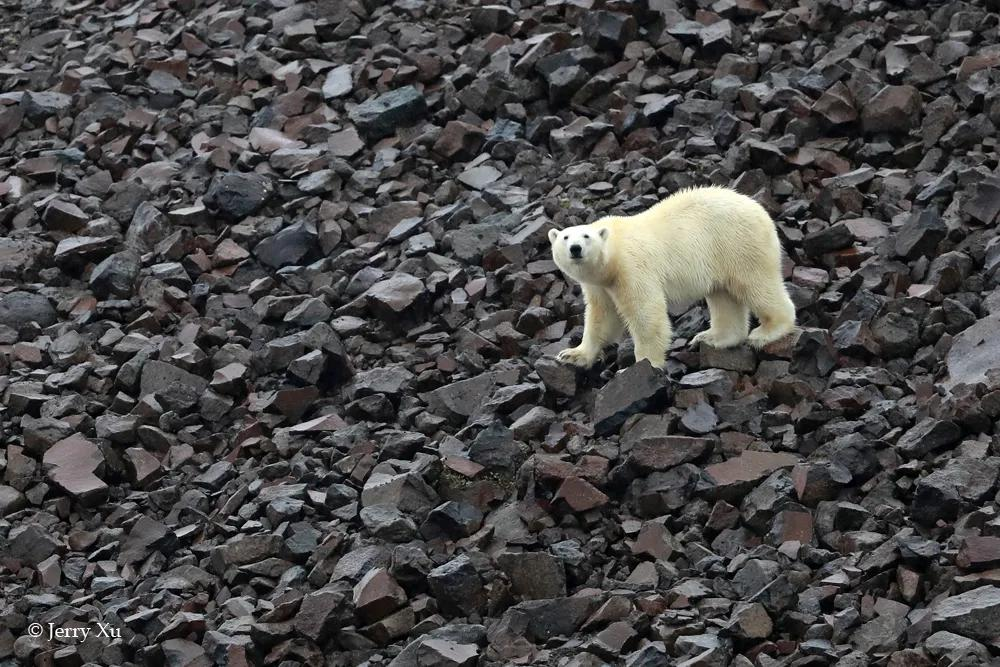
pixel 645 313
pixel 601 325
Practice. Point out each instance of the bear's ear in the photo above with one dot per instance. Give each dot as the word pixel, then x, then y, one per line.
pixel 603 233
pixel 553 235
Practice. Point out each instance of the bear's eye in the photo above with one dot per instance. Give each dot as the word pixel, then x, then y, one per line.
pixel 586 236
pixel 566 238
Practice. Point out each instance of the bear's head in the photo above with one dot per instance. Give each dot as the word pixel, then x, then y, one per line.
pixel 580 252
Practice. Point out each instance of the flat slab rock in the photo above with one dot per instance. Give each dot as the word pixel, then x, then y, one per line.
pixel 974 352
pixel 73 463
pixel 638 388
pixel 974 614
pixel 735 476
pixel 160 376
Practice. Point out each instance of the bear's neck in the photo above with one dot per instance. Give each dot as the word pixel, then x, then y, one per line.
pixel 603 278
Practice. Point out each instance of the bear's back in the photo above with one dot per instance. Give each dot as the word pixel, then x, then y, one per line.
pixel 696 238
pixel 706 204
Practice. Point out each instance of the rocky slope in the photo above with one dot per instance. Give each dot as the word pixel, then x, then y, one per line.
pixel 277 326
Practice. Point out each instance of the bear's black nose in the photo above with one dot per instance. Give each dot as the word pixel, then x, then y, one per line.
pixel 575 250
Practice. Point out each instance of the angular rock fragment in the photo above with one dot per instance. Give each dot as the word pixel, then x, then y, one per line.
pixel 928 435
pixel 457 587
pixel 892 109
pixel 580 495
pixel 920 235
pixel 116 276
pixel 402 295
pixel 732 478
pixel 492 18
pixel 460 400
pixel 640 388
pixel 377 595
pixel 534 575
pixel 236 195
pixel 971 614
pixel 380 116
pixel 74 464
pixel 608 30
pixel 652 453
pixel 291 245
pixel 973 353
pixel 338 82
pixel 64 216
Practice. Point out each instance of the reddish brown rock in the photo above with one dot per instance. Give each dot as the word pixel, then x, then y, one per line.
pixel 664 452
pixel 580 495
pixel 654 540
pixel 74 464
pixel 732 478
pixel 892 109
pixel 377 595
pixel 143 467
pixel 459 141
pixel 979 553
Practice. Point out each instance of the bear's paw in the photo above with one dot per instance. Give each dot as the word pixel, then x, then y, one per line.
pixel 577 356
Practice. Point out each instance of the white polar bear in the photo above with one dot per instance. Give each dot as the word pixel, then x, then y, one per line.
pixel 712 243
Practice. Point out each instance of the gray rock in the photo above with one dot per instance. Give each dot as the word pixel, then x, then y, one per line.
pixel 892 109
pixel 940 494
pixel 457 587
pixel 453 519
pixel 32 544
pixel 290 246
pixel 380 116
pixel 927 436
pixel 388 523
pixel 534 575
pixel 541 620
pixel 11 500
pixel 99 109
pixel 389 380
pixel 834 237
pixel 455 633
pixel 639 388
pixel 608 30
pixel 338 82
pixel 148 227
pixel 496 449
pixel 18 309
pixel 124 199
pixel 974 614
pixel 407 491
pixel 173 385
pixel 116 275
pixel 470 242
pixel 400 296
pixel 921 235
pixel 41 105
pixel 974 352
pixel 235 195
pixel 955 648
pixel 492 18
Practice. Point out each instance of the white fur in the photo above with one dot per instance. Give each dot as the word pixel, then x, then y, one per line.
pixel 712 243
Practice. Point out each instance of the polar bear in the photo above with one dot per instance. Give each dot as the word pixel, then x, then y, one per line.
pixel 709 242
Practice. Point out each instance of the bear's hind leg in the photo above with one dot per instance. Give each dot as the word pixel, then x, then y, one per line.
pixel 645 314
pixel 775 311
pixel 601 325
pixel 730 321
